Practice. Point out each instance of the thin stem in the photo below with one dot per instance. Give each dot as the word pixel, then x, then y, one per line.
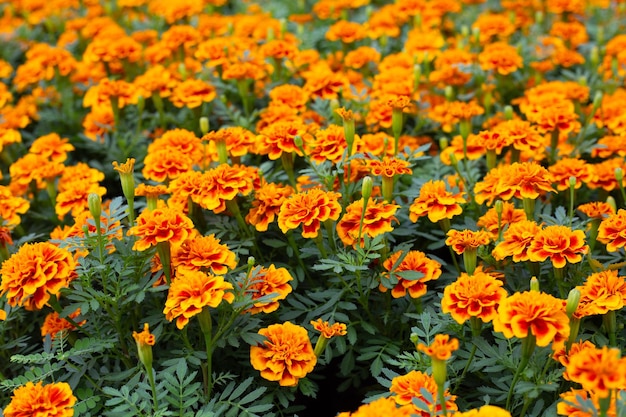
pixel 155 399
pixel 467 365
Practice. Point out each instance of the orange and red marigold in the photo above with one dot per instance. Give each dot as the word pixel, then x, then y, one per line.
pixel 559 243
pixel 192 291
pixel 532 313
pixel 376 221
pixel 285 356
pixel 405 388
pixel 436 202
pixel 309 209
pixel 34 273
pixel 51 400
pixel 160 225
pixel 612 231
pixel 477 295
pixel 267 281
pixel 598 370
pixel 414 262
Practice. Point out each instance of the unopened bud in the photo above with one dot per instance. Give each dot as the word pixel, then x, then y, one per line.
pixel 572 182
pixel 366 188
pixel 499 206
pixel 534 284
pixel 572 301
pixel 443 143
pixel 611 202
pixel 204 125
pixel 508 112
pixel 619 174
pixel 597 100
pixel 449 93
pixel 94 202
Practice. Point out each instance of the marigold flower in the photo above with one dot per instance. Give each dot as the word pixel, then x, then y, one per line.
pixel 612 231
pixel 532 313
pixel 51 400
pixel 389 167
pixel 145 340
pixel 191 93
pixel 501 57
pixel 346 32
pixel 268 281
pixel 54 324
pixel 34 273
pixel 328 144
pixel 285 356
pixel 278 137
pixel 166 164
pixel 441 348
pixel 570 404
pixel 466 239
pixel 413 261
pixel 604 291
pixel 191 291
pixel 598 370
pixel 596 209
pixel 11 207
pixel 477 295
pixel 384 406
pixel 267 202
pixel 559 243
pixel 436 202
pixel 204 253
pixel 516 241
pixel 562 355
pixel 52 147
pixel 329 330
pixel 309 209
pixel 160 225
pixel 509 215
pixel 405 388
pixel 376 221
pixel 222 184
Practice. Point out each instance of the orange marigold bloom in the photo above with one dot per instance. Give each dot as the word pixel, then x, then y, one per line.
pixel 181 140
pixel 493 25
pixel 509 215
pixel 266 281
pixel 559 243
pixel 346 32
pixel 74 197
pixel 166 164
pixel 517 240
pixel 501 57
pixel 436 202
pixel 329 330
pixel 596 209
pixel 267 202
pixel 54 324
pixel 192 291
pixel 52 147
pixel 51 400
pixel 285 356
pixel 524 136
pixel 477 295
pixel 309 208
pixel 414 261
pixel 377 220
pixel 34 272
pixel 204 253
pixel 519 180
pixel 603 292
pixel 11 207
pixel 570 404
pixel 604 174
pixel 450 113
pixel 191 93
pixel 598 370
pixel 145 337
pixel 441 348
pixel 612 231
pixel 532 312
pixel 563 356
pixel 565 168
pixel 328 144
pixel 485 411
pixel 279 137
pixel 466 239
pixel 224 183
pixel 405 388
pixel 160 225
pixel 389 167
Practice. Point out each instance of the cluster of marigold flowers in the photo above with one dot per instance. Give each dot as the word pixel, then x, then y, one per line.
pixel 530 153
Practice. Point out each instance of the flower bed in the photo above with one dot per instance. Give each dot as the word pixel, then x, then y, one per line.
pixel 349 208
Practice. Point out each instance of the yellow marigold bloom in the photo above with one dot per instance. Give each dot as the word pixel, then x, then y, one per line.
pixel 34 272
pixel 559 243
pixel 54 324
pixel 191 93
pixel 204 253
pixel 285 356
pixel 267 202
pixel 377 220
pixel 309 209
pixel 466 239
pixel 532 313
pixel 268 281
pixel 405 388
pixel 485 411
pixel 516 241
pixel 51 400
pixel 329 330
pixel 477 295
pixel 598 370
pixel 160 225
pixel 192 291
pixel 596 209
pixel 11 207
pixel 604 291
pixel 501 57
pixel 436 202
pixel 413 261
pixel 612 231
pixel 441 348
pixel 509 215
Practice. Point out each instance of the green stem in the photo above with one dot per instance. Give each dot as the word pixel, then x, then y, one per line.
pixel 467 365
pixel 528 346
pixel 206 325
pixel 155 399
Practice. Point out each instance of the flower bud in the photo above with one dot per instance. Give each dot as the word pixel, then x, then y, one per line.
pixel 572 182
pixel 508 112
pixel 619 175
pixel 94 202
pixel 597 100
pixel 204 125
pixel 499 206
pixel 534 284
pixel 145 340
pixel 611 202
pixel 443 143
pixel 572 301
pixel 366 188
